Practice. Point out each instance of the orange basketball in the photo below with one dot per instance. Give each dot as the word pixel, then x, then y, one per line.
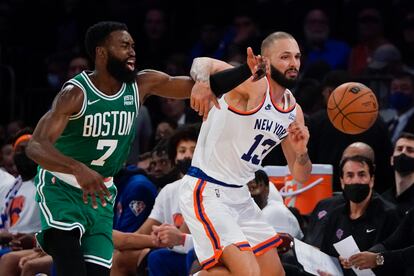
pixel 352 108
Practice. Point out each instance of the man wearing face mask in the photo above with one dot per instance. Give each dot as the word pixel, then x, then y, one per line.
pixel 364 215
pixel 401 100
pixel 402 194
pixel 165 218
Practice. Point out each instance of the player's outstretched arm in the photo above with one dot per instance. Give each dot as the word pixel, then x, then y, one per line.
pixel 295 148
pixel 152 82
pixel 41 147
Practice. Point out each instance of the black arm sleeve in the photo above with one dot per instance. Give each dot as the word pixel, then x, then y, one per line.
pixel 229 79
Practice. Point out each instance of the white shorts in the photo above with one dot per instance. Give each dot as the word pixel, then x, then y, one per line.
pixel 219 216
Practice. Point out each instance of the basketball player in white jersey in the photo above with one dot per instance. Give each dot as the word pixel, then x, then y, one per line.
pixel 230 235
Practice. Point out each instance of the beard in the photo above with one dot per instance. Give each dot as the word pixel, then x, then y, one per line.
pixel 281 79
pixel 118 69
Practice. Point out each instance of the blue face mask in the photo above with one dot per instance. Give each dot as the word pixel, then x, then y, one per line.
pixel 400 101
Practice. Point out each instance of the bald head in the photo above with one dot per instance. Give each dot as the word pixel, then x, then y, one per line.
pixel 359 148
pixel 270 39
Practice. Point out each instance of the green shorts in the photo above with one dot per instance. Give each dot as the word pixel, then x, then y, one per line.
pixel 62 207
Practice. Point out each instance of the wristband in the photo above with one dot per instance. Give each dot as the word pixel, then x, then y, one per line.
pixel 229 79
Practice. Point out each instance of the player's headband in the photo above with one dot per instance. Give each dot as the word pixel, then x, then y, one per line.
pixel 21 139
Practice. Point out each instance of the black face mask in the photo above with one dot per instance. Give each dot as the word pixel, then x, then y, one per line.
pixel 118 69
pixel 25 166
pixel 356 192
pixel 168 178
pixel 403 164
pixel 281 79
pixel 183 165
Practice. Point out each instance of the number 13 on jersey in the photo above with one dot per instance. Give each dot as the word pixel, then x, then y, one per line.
pixel 266 145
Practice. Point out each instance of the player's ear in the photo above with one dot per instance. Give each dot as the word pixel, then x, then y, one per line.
pixel 100 52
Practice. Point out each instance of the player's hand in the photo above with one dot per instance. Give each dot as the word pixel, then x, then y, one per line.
pixel 168 235
pixel 256 64
pixel 363 260
pixel 298 137
pixel 202 98
pixel 92 184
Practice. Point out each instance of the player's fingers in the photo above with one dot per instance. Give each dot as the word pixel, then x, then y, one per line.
pixel 93 198
pixel 215 102
pixel 105 191
pixel 196 105
pixel 85 197
pixel 192 102
pixel 250 52
pixel 102 198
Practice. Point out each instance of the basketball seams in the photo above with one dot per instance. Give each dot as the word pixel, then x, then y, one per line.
pixel 353 100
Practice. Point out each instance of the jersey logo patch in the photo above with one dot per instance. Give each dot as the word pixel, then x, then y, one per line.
pixel 268 107
pixel 178 220
pixel 128 100
pixel 137 207
pixel 16 208
pixel 92 102
pixel 322 214
pixel 292 117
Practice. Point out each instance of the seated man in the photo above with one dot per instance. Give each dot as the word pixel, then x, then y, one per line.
pixel 365 216
pixel 317 219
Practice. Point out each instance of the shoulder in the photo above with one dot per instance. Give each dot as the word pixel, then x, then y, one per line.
pixel 69 100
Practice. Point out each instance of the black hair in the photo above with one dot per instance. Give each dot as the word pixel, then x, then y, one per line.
pixel 260 177
pixel 360 159
pixel 406 135
pixel 161 147
pixel 97 34
pixel 185 133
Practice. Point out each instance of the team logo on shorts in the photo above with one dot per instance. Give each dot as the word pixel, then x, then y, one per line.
pixel 128 100
pixel 137 207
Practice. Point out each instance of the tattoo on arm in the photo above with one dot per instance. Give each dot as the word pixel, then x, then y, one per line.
pixel 302 159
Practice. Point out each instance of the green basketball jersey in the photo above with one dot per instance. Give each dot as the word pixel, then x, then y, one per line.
pixel 101 134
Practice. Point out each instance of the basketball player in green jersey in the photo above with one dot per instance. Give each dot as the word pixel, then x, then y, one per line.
pixel 83 141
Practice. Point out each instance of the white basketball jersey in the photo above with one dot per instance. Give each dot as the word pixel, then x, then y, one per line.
pixel 232 144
